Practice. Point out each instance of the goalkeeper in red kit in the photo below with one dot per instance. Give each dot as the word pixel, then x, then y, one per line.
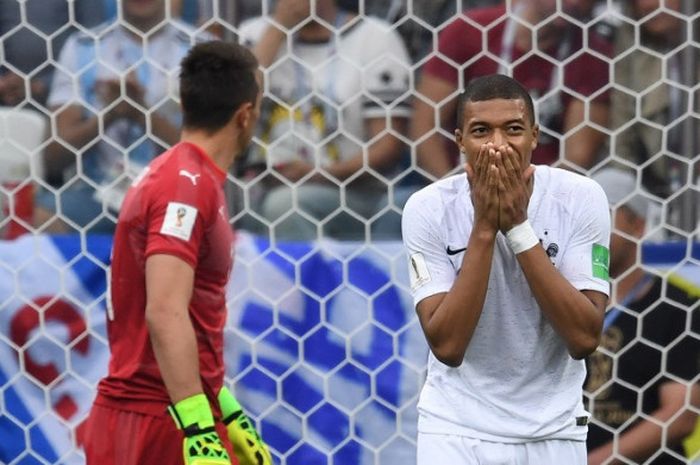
pixel 163 400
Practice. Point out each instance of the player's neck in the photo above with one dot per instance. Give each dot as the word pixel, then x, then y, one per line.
pixel 220 146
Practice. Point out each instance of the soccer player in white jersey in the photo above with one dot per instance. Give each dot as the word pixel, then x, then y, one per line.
pixel 509 274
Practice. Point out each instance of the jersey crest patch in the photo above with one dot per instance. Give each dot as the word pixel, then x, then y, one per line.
pixel 418 270
pixel 179 220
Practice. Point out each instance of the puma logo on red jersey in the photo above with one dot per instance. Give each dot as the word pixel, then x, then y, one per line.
pixel 190 176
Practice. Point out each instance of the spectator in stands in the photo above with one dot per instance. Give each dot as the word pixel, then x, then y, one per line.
pixel 417 37
pixel 194 12
pixel 509 43
pixel 663 102
pixel 115 110
pixel 335 88
pixel 28 46
pixel 649 347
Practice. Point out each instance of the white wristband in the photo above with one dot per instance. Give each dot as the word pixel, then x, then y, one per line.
pixel 521 237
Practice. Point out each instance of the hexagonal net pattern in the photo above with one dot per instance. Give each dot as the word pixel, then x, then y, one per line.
pixel 359 110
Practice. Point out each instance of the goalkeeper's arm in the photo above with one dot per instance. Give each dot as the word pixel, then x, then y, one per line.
pixel 169 282
pixel 247 443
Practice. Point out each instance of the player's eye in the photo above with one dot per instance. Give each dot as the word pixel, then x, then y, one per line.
pixel 479 131
pixel 515 129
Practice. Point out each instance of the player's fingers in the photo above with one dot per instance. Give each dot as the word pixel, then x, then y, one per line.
pixel 506 171
pixel 511 166
pixel 480 164
pixel 514 158
pixel 502 173
pixel 493 178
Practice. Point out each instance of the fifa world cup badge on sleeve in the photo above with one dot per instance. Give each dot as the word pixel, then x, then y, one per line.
pixel 601 260
pixel 179 220
pixel 418 270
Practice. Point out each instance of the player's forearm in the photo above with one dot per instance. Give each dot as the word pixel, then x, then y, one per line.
pixel 175 347
pixel 572 315
pixel 451 327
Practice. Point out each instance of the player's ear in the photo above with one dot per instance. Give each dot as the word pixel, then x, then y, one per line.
pixel 244 115
pixel 535 135
pixel 458 140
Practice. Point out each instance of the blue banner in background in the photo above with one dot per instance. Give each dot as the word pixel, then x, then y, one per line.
pixel 326 349
pixel 322 347
pixel 52 344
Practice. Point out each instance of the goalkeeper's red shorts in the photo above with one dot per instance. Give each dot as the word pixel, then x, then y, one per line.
pixel 122 437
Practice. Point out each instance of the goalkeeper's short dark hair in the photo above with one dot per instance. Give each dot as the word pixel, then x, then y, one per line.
pixel 216 78
pixel 494 86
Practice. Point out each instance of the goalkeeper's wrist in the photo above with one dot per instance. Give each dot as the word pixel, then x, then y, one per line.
pixel 193 414
pixel 521 237
pixel 228 404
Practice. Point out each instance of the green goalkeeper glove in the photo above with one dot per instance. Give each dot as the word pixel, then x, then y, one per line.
pixel 202 445
pixel 247 444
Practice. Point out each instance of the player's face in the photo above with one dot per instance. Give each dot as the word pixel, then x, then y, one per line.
pixel 501 122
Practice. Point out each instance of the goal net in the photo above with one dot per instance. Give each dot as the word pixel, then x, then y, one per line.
pixel 322 345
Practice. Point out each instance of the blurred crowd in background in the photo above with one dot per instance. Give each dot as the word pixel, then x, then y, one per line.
pixel 360 101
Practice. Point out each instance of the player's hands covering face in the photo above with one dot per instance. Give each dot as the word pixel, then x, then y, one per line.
pixel 500 189
pixel 514 187
pixel 483 181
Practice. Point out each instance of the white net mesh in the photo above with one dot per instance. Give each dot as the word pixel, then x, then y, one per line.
pixel 322 345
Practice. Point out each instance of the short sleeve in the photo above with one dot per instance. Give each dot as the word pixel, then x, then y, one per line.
pixel 586 260
pixel 179 215
pixel 429 269
pixel 386 79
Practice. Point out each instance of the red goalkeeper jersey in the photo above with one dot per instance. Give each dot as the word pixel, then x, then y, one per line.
pixel 175 207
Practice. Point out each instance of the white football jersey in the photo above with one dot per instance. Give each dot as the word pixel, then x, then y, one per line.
pixel 517 382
